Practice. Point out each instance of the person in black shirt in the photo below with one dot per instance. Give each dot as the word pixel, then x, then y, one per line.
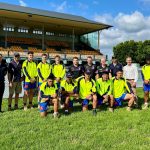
pixel 103 67
pixel 76 69
pixel 114 66
pixel 14 78
pixel 3 72
pixel 91 67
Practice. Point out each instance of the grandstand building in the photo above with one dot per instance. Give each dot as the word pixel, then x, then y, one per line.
pixel 23 29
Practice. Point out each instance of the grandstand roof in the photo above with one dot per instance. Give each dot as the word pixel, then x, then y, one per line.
pixel 51 20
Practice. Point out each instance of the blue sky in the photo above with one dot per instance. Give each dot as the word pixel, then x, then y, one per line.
pixel 130 18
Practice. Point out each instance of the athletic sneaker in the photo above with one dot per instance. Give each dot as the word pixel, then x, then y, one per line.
pixel 145 106
pixel 94 112
pixel 67 112
pixel 128 108
pixel 25 108
pixel 56 115
pixel 111 109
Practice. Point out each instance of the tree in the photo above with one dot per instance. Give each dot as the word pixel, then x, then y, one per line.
pixel 136 50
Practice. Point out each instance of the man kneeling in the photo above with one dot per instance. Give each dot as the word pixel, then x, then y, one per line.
pixel 48 95
pixel 87 91
pixel 68 92
pixel 104 91
pixel 121 90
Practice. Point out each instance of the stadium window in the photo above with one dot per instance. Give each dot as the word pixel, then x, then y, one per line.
pixel 50 33
pixel 10 29
pixel 37 32
pixel 22 30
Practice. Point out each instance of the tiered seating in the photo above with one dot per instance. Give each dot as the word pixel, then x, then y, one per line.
pixel 51 50
pixel 16 48
pixel 57 44
pixel 86 52
pixel 69 51
pixel 29 41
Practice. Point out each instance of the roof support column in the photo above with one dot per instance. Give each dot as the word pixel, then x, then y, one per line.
pixel 73 39
pixel 43 39
pixel 6 33
pixel 98 40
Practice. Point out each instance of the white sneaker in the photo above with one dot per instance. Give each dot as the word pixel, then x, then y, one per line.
pixel 62 106
pixel 128 108
pixel 25 108
pixel 56 115
pixel 111 110
pixel 145 106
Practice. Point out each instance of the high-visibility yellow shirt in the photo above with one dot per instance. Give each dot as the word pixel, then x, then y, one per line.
pixel 146 72
pixel 119 87
pixel 47 91
pixel 58 70
pixel 29 70
pixel 103 87
pixel 86 87
pixel 68 87
pixel 44 70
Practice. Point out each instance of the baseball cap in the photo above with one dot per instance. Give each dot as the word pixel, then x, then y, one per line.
pixel 16 54
pixel 88 72
pixel 69 75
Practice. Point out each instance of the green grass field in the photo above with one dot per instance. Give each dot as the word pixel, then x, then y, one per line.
pixel 121 130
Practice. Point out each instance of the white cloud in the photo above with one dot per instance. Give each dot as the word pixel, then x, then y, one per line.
pixel 22 3
pixel 133 26
pixel 62 7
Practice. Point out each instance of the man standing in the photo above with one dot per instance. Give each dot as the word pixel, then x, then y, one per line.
pixel 30 72
pixel 146 79
pixel 58 70
pixel 87 91
pixel 44 71
pixel 114 66
pixel 15 80
pixel 90 66
pixel 103 67
pixel 130 73
pixel 76 69
pixel 3 72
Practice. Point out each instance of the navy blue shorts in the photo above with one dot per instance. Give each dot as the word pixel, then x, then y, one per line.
pixel 29 86
pixel 120 99
pixel 146 87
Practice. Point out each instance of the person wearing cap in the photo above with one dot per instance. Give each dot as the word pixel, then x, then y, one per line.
pixel 87 91
pixel 104 91
pixel 15 80
pixel 68 92
pixel 30 72
pixel 114 66
pixel 44 71
pixel 48 95
pixel 130 73
pixel 90 66
pixel 3 72
pixel 58 70
pixel 76 69
pixel 121 90
pixel 146 79
pixel 103 67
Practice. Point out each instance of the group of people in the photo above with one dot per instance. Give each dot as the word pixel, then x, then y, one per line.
pixel 101 84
